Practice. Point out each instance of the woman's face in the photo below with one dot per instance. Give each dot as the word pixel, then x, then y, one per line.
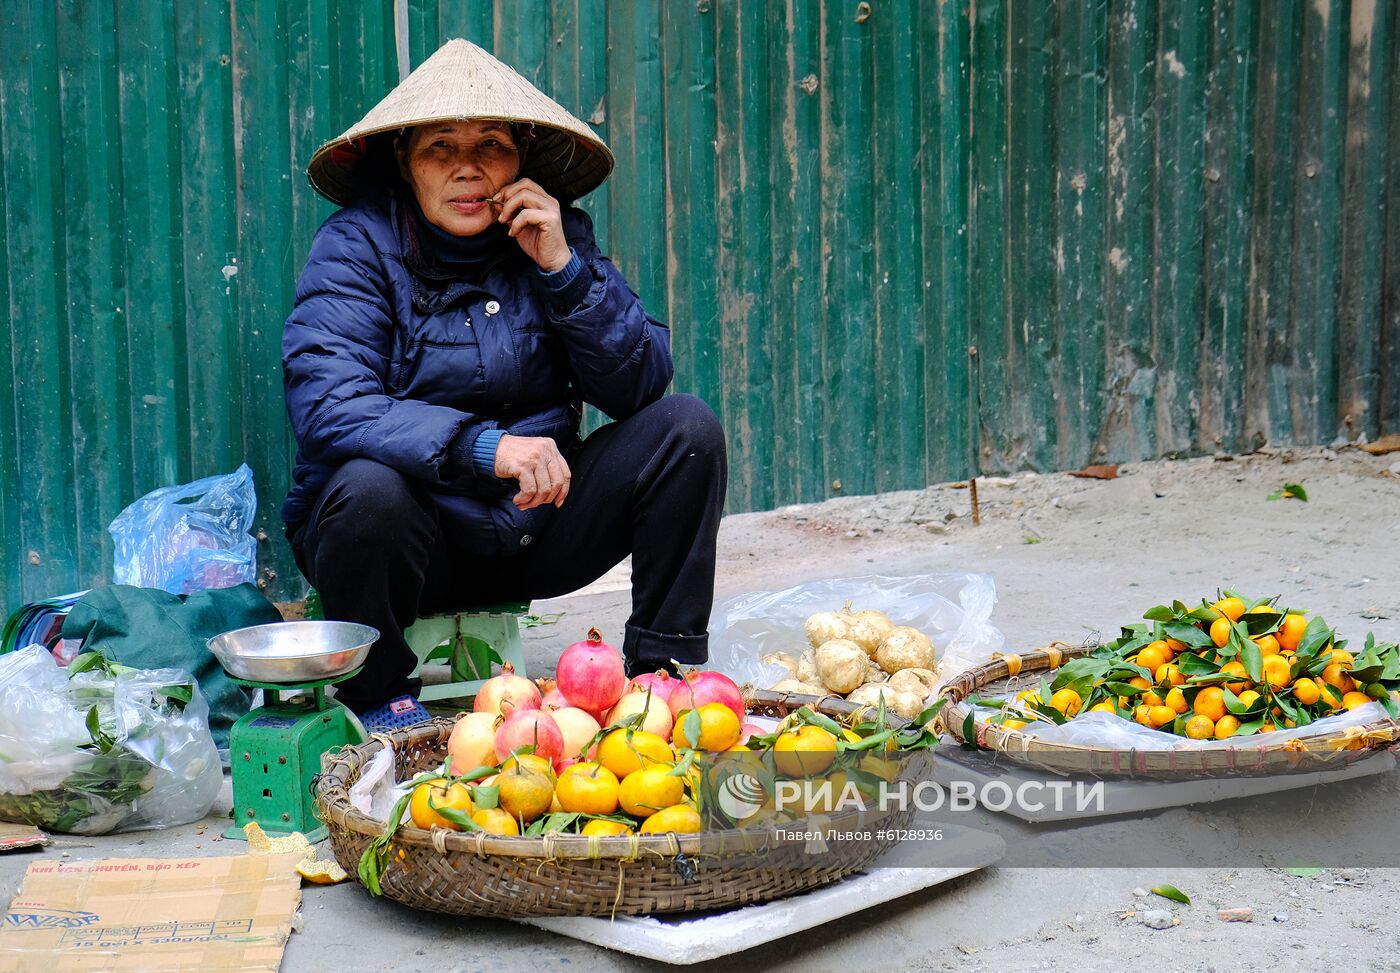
pixel 454 167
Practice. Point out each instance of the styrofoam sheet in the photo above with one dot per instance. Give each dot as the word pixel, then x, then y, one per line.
pixel 684 939
pixel 951 764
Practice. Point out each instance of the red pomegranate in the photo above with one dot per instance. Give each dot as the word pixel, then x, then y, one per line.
pixel 707 687
pixel 590 674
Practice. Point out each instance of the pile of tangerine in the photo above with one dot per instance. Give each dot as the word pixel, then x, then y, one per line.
pixel 1227 668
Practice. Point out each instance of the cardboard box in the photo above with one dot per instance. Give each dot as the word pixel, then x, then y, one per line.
pixel 14 836
pixel 138 914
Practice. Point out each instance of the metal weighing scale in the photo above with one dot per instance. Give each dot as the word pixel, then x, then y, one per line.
pixel 275 750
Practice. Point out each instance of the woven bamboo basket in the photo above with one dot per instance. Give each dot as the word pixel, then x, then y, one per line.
pixel 473 873
pixel 1256 755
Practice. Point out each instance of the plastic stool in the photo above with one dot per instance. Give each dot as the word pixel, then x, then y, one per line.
pixel 468 641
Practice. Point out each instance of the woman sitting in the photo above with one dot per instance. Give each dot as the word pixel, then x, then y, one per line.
pixel 450 322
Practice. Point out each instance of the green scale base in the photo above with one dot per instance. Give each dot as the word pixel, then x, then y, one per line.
pixel 275 753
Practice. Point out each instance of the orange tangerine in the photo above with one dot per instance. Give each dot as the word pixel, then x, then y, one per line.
pixel 804 751
pixel 1169 673
pixel 1329 695
pixel 646 791
pixel 1067 701
pixel 1150 698
pixel 588 788
pixel 1137 682
pixel 680 818
pixel 1340 658
pixel 1143 715
pixel 525 794
pixel 1248 697
pixel 1235 668
pixel 1335 676
pixel 623 754
pixel 1231 607
pixel 719 728
pixel 457 797
pixel 1226 726
pixel 1220 632
pixel 1290 632
pixel 1162 715
pixel 1268 645
pixel 1176 699
pixel 1276 671
pixel 605 829
pixel 1354 699
pixel 1154 655
pixel 1305 691
pixel 1210 702
pixel 494 820
pixel 1200 727
pixel 529 761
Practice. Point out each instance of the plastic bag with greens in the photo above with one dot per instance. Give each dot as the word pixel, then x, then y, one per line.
pixel 102 747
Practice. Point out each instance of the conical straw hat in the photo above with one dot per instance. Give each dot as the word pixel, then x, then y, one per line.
pixel 462 81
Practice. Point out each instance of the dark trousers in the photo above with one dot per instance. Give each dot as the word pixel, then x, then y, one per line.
pixel 651 486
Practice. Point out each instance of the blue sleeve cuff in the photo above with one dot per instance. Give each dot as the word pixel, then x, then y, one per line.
pixel 568 285
pixel 560 278
pixel 484 451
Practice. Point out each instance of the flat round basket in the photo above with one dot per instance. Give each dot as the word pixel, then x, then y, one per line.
pixel 1256 755
pixel 575 875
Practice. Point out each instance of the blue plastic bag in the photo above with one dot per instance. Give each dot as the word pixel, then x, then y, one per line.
pixel 188 538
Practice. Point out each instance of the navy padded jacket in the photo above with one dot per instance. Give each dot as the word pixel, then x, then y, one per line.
pixel 384 358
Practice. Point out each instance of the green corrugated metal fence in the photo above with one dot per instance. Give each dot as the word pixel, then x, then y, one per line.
pixel 897 241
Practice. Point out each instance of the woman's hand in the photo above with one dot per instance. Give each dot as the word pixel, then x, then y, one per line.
pixel 534 461
pixel 535 224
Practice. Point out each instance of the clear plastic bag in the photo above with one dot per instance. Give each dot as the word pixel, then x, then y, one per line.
pixel 1110 732
pixel 190 537
pixel 954 610
pixel 102 749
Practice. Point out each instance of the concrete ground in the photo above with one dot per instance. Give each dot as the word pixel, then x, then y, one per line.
pixel 1070 556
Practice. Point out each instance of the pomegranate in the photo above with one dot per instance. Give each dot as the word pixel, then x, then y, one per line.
pixel 590 673
pixel 662 684
pixel 578 728
pixel 472 744
pixel 658 718
pixel 750 730
pixel 530 728
pixel 707 687
pixel 552 698
pixel 506 687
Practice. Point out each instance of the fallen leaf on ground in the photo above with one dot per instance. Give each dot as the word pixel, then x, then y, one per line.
pixel 1290 491
pixel 1386 444
pixel 1097 473
pixel 1171 892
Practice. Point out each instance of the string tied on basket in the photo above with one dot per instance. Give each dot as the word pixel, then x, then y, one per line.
pixel 438 836
pixel 1012 661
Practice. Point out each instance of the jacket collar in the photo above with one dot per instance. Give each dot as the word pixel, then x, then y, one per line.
pixel 431 287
